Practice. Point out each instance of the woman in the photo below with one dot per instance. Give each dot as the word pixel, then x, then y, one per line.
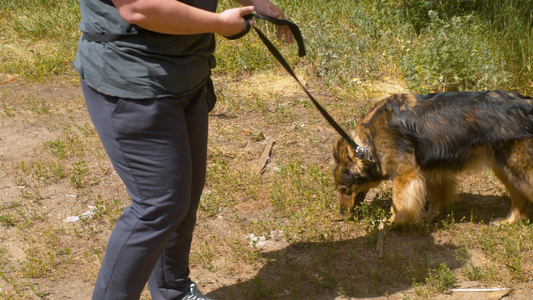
pixel 145 67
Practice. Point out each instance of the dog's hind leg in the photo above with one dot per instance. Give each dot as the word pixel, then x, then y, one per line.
pixel 441 189
pixel 408 197
pixel 519 197
pixel 515 169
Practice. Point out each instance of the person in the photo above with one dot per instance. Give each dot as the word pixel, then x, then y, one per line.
pixel 145 68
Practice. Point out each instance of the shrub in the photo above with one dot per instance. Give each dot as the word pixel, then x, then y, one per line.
pixel 449 59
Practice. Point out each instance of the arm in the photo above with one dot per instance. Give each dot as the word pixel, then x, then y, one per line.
pixel 174 17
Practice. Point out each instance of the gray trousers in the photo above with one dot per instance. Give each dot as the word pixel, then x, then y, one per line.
pixel 158 148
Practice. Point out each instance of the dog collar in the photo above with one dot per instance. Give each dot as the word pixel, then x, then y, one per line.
pixel 361 152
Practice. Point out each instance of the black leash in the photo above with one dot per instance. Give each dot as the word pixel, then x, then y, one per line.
pixel 295 30
pixel 279 22
pixel 360 152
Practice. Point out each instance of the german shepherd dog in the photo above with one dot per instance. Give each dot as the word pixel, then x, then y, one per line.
pixel 421 142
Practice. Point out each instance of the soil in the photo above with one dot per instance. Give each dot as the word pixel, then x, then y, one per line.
pixel 25 133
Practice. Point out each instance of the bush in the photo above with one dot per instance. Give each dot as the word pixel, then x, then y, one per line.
pixel 452 56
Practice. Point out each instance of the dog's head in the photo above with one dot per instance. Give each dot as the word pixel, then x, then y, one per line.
pixel 354 175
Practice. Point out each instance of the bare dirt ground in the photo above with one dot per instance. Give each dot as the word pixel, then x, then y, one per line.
pixel 43 256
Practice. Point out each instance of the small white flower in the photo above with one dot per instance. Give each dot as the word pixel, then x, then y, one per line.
pixel 356 81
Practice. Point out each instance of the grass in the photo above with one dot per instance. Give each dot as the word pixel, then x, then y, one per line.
pixel 38 39
pixel 440 280
pixel 432 45
pixel 277 235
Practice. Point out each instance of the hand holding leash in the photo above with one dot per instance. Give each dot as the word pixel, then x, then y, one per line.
pixel 247 26
pixel 294 29
pixel 266 8
pixel 232 20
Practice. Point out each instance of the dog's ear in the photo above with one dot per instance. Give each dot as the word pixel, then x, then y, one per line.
pixel 343 152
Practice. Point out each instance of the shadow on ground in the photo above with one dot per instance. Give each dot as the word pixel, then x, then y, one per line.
pixel 352 268
pixel 325 270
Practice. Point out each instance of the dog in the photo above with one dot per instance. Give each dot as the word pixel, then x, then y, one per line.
pixel 422 142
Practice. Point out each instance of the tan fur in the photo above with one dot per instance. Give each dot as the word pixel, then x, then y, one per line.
pixel 421 143
pixel 408 192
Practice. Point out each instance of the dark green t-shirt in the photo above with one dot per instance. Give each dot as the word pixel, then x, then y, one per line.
pixel 144 64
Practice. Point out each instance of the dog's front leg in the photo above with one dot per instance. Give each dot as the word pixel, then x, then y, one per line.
pixel 408 197
pixel 441 189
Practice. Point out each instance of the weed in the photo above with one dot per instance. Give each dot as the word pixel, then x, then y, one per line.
pixel 7 220
pixel 33 266
pixel 439 280
pixel 204 255
pixel 299 186
pixel 259 289
pixel 8 110
pixel 448 221
pixel 8 212
pixel 78 175
pixel 39 107
pixel 45 171
pixel 31 193
pixel 58 148
pixel 505 245
pixel 103 209
pixel 471 271
pixel 241 251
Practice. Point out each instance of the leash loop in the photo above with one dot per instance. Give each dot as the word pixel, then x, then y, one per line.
pixel 295 30
pixel 245 31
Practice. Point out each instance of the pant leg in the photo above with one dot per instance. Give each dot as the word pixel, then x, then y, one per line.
pixel 168 279
pixel 163 168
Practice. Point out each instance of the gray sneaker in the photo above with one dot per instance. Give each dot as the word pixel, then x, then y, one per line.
pixel 195 294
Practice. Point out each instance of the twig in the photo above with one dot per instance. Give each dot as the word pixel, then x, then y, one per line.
pixel 8 80
pixel 260 166
pixel 493 293
pixel 479 290
pixel 381 234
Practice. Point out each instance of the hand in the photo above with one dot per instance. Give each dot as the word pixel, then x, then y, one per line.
pixel 266 8
pixel 233 22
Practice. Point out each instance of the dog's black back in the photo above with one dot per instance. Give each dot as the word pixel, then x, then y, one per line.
pixel 446 127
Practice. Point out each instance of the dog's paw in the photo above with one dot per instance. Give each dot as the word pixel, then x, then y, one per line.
pixel 508 220
pixel 429 216
pixel 499 222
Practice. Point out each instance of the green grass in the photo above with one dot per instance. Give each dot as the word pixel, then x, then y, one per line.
pixel 439 280
pixel 38 38
pixel 432 45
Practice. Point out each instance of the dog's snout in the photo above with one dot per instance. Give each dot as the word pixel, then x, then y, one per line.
pixel 346 202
